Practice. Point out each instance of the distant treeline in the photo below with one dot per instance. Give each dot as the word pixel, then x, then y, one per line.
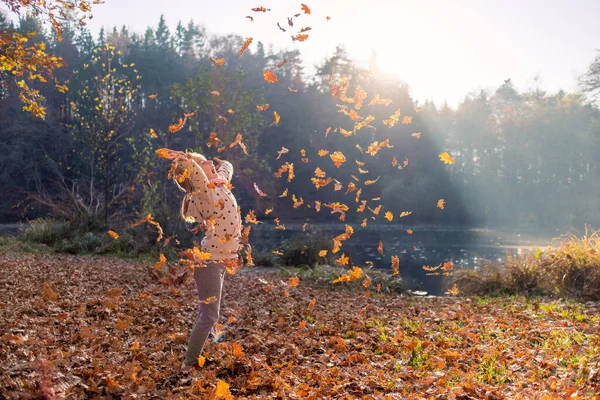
pixel 523 159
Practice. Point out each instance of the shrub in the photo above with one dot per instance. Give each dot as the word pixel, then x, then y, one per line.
pixel 46 231
pixel 304 251
pixel 571 268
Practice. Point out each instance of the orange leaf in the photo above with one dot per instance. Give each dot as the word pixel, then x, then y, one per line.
pixel 395 265
pixel 208 300
pixel 454 290
pixel 406 120
pixel 277 117
pixel 380 247
pixel 152 96
pixel 260 192
pixel 409 231
pixel 322 253
pixel 389 216
pixel 245 46
pixel 222 391
pixel 270 76
pixel 440 204
pixel 338 158
pixel 217 62
pixel 281 152
pixel 293 281
pixel 263 107
pixel 445 157
pixel 417 135
pixel 343 260
pixel 305 9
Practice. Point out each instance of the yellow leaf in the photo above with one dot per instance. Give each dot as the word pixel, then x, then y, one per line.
pixel 277 117
pixel 113 235
pixel 445 157
pixel 389 216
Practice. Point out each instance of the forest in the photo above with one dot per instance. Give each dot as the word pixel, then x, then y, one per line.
pixel 524 160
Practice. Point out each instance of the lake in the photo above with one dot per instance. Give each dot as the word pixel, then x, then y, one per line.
pixel 468 248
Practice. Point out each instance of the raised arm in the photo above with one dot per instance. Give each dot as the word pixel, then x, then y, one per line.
pixel 225 170
pixel 197 175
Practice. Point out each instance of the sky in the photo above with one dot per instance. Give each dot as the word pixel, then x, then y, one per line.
pixel 442 49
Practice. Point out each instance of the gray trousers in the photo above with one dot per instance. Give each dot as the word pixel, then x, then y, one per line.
pixel 209 282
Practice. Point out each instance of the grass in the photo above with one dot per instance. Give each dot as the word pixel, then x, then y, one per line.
pixel 570 269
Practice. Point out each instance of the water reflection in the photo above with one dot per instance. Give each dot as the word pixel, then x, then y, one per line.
pixel 426 246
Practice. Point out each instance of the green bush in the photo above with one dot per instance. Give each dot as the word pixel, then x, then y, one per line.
pixel 266 259
pixel 46 231
pixel 304 251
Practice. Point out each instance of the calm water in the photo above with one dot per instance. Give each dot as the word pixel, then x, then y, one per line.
pixel 432 246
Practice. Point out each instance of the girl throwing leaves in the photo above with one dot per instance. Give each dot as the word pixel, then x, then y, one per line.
pixel 209 202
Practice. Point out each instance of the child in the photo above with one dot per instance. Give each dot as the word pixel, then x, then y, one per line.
pixel 208 201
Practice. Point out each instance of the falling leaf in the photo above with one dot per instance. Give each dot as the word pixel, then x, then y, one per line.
pixel 337 157
pixel 343 260
pixel 354 274
pixel 392 120
pixel 270 76
pixel 417 135
pixel 380 247
pixel 322 253
pixel 395 265
pixel 262 107
pixel 113 235
pixel 370 182
pixel 152 96
pixel 250 18
pixel 238 141
pixel 213 140
pixel 445 157
pixel 208 300
pixel 281 152
pixel 440 204
pixel 323 153
pixel 282 63
pixel 215 93
pixel 218 62
pixel 389 216
pixel 293 281
pixel 301 37
pixel 305 9
pixel 379 100
pixel 259 9
pixel 277 117
pixel 406 120
pixel 454 290
pixel 405 214
pixel 245 46
pixel 162 261
pixel 260 192
pixel 409 231
pixel 285 193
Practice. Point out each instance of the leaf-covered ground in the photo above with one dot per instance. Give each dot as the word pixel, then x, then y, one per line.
pixel 104 328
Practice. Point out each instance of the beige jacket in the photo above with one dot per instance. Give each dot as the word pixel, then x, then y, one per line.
pixel 217 209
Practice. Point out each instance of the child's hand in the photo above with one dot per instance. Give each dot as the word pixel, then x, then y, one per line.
pixel 218 162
